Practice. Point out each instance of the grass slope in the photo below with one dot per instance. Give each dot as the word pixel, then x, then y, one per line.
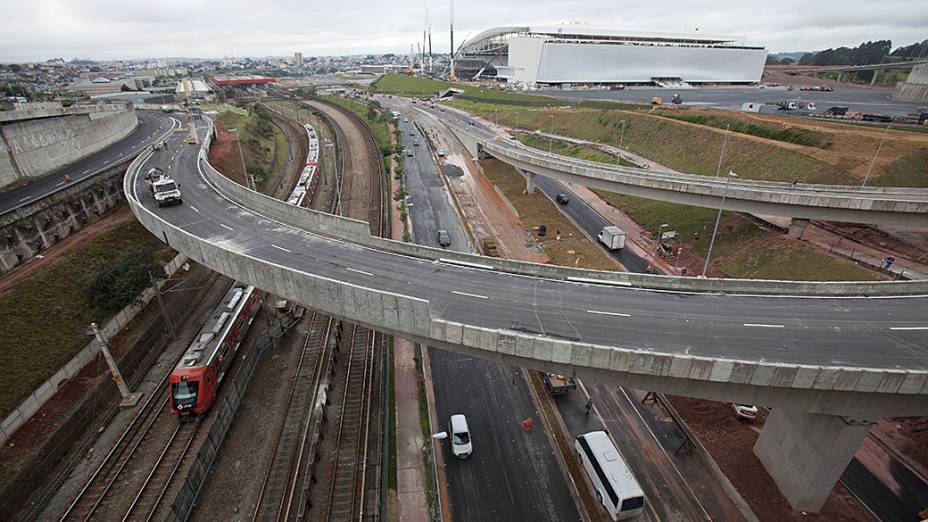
pixel 45 317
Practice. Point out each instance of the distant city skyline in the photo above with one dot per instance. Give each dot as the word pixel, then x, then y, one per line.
pixel 105 29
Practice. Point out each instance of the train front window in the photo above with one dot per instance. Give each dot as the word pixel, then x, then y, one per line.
pixel 184 392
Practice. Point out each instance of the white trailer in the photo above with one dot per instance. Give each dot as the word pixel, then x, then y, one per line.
pixel 613 237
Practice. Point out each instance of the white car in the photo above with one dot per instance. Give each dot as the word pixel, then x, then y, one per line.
pixel 744 411
pixel 461 446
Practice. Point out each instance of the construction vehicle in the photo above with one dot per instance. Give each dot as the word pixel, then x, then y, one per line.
pixel 676 100
pixel 489 248
pixel 657 101
pixel 558 384
pixel 163 188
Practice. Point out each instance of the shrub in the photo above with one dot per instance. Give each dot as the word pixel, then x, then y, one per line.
pixel 111 286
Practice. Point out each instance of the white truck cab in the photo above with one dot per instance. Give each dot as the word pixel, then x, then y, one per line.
pixel 163 188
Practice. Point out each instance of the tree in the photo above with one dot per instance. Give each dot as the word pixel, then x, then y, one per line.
pixel 125 88
pixel 772 60
pixel 112 285
pixel 787 61
pixel 15 67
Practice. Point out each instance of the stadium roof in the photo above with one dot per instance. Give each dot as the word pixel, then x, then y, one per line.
pixel 598 32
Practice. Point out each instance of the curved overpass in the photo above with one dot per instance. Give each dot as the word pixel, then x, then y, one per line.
pixel 811 353
pixel 876 205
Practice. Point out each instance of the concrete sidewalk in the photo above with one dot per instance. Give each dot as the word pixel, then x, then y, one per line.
pixel 410 466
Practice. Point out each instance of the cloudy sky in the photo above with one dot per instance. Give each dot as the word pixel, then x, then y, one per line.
pixel 103 29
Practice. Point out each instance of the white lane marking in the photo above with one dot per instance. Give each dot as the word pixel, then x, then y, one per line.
pixel 60 184
pixel 26 198
pixel 226 227
pixel 760 325
pixel 359 271
pixel 193 208
pixel 86 171
pixel 462 263
pixel 908 327
pixel 619 314
pixel 470 295
pixel 281 248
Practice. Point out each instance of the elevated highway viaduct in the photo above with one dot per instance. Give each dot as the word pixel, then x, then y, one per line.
pixel 805 202
pixel 828 358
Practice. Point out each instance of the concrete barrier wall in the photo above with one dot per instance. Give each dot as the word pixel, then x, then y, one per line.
pixel 33 148
pixel 832 390
pixel 358 232
pixel 47 390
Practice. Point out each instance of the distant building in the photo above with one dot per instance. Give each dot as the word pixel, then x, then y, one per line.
pixel 298 59
pixel 195 88
pixel 101 85
pixel 567 55
pixel 383 69
pixel 222 81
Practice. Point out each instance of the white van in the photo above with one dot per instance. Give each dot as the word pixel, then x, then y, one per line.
pixel 461 446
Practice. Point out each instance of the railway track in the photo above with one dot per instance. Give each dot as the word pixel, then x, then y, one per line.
pixel 346 492
pixel 104 495
pixel 285 471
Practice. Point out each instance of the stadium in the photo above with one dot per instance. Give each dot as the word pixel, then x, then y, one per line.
pixel 582 55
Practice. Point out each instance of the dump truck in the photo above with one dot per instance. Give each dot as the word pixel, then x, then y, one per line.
pixel 163 188
pixel 558 384
pixel 613 237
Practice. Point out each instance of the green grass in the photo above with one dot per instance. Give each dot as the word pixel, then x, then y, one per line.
pixel 268 153
pixel 45 316
pixel 391 418
pixel 908 171
pixel 782 133
pixel 570 149
pixel 413 86
pixel 681 147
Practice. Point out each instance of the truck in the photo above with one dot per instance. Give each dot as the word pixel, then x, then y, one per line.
pixel 163 188
pixel 558 384
pixel 613 237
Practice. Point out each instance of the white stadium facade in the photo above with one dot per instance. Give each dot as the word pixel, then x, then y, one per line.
pixel 577 54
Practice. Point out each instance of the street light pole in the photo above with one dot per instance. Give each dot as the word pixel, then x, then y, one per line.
pixel 242 156
pixel 718 217
pixel 622 136
pixel 875 156
pixel 721 154
pixel 660 229
pixel 550 133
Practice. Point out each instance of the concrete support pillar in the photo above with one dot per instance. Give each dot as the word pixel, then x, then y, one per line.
pixel 529 181
pixel 876 74
pixel 797 227
pixel 24 247
pixel 840 76
pixel 806 453
pixel 38 226
pixel 98 202
pixel 8 261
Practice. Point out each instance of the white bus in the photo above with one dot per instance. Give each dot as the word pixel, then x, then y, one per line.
pixel 615 486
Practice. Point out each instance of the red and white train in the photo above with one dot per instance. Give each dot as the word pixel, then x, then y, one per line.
pixel 193 384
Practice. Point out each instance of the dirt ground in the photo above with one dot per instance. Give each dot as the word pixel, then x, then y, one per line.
pixel 221 154
pixel 731 442
pixel 908 437
pixel 62 248
pixel 573 248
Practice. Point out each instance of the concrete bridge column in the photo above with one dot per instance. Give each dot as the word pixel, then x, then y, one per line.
pixel 8 261
pixel 806 453
pixel 797 227
pixel 529 181
pixel 38 226
pixel 24 246
pixel 876 75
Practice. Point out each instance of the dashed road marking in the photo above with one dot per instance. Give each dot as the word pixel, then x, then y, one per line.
pixel 281 248
pixel 359 271
pixel 25 199
pixel 760 325
pixel 908 327
pixel 193 208
pixel 478 296
pixel 227 227
pixel 619 314
pixel 60 184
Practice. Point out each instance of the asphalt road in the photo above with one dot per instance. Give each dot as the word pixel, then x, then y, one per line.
pixel 151 125
pixel 512 474
pixel 856 99
pixel 591 222
pixel 852 332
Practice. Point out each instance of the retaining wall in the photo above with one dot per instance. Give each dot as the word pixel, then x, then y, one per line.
pixel 34 147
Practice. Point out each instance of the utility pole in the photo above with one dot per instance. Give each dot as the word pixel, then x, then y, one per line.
pixel 718 218
pixel 164 312
pixel 719 168
pixel 128 399
pixel 875 156
pixel 242 156
pixel 452 77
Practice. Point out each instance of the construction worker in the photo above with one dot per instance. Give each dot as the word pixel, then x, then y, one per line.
pixel 67 177
pixel 589 405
